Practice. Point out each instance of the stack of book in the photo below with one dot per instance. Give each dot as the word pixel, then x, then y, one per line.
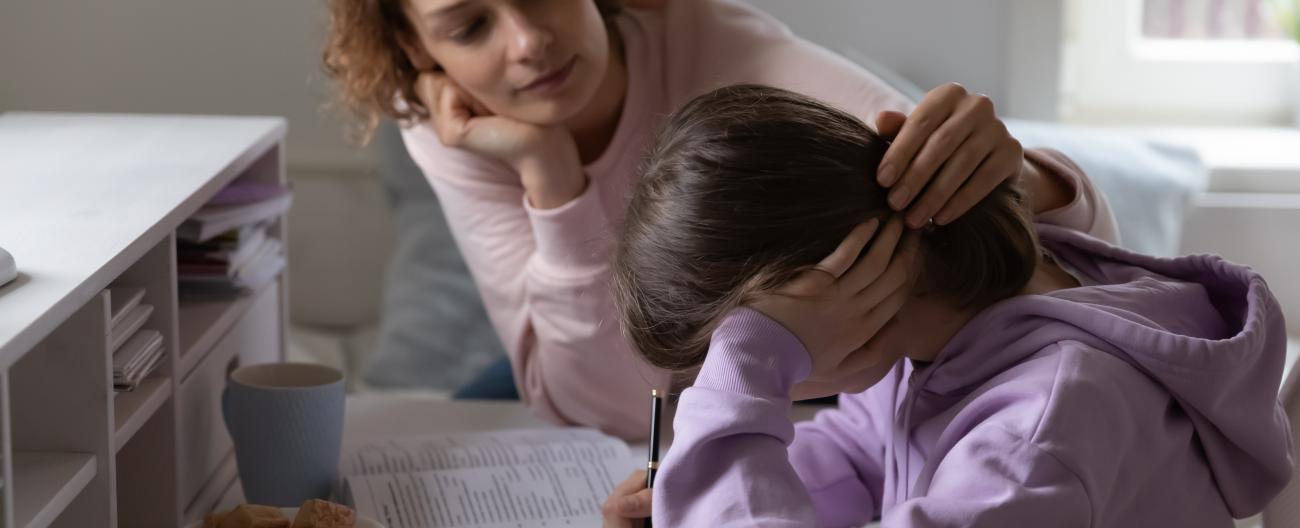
pixel 137 351
pixel 226 247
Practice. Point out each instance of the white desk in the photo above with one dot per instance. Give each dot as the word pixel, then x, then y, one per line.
pixel 92 201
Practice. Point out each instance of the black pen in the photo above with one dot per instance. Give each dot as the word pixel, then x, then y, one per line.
pixel 656 406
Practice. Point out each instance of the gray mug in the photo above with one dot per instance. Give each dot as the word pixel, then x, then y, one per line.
pixel 286 420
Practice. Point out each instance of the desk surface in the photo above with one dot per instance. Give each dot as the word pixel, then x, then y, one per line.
pixel 82 196
pixel 377 416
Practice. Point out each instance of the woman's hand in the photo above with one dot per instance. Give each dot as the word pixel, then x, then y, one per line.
pixel 545 157
pixel 628 503
pixel 952 148
pixel 836 307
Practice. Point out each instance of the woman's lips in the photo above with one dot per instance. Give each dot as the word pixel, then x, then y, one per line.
pixel 551 81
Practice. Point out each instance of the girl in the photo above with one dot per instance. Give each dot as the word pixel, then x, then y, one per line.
pixel 529 118
pixel 995 373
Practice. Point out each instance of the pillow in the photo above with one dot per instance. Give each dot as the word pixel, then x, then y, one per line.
pixel 1149 184
pixel 433 329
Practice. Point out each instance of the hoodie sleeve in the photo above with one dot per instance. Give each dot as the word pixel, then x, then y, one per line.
pixel 839 455
pixel 728 464
pixel 732 432
pixel 993 478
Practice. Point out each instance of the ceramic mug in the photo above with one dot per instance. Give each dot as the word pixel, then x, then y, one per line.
pixel 286 420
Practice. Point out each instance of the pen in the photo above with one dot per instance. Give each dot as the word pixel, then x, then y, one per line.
pixel 656 405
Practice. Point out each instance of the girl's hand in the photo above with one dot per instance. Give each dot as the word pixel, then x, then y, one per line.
pixel 953 147
pixel 836 307
pixel 628 503
pixel 545 157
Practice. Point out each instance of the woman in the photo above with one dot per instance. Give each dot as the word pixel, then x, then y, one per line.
pixel 994 373
pixel 529 119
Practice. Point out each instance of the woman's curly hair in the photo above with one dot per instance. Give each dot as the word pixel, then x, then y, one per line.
pixel 364 57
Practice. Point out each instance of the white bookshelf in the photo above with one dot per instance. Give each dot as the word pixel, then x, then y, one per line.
pixel 89 202
pixel 132 409
pixel 52 481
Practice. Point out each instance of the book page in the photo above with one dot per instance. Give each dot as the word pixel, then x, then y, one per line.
pixel 483 449
pixel 558 493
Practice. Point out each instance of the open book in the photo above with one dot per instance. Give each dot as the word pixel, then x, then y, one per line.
pixel 515 478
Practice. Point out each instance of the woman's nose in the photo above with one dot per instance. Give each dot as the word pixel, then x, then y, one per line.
pixel 528 41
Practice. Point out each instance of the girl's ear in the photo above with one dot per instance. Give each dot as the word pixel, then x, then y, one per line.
pixel 416 54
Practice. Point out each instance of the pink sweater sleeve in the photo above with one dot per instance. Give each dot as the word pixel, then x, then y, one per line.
pixel 543 275
pixel 1088 212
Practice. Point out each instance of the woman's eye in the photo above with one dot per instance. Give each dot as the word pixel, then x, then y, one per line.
pixel 469 31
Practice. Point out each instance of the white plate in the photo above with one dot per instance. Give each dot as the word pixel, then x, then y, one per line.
pixel 362 520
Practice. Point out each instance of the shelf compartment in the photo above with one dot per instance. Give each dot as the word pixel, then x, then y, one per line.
pixel 45 483
pixel 146 489
pixel 219 485
pixel 132 409
pixel 202 439
pixel 203 322
pixel 57 428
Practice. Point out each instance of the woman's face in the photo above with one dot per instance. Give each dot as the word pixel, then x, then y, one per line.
pixel 538 61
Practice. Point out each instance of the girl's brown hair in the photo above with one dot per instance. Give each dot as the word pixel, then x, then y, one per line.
pixel 749 185
pixel 364 56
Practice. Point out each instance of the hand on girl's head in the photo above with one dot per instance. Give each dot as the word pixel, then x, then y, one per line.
pixel 836 307
pixel 949 154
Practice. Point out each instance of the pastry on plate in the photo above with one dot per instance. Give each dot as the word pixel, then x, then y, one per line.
pixel 316 513
pixel 247 516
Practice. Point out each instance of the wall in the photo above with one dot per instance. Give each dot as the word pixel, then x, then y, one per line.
pixel 1007 49
pixel 258 57
pixel 175 56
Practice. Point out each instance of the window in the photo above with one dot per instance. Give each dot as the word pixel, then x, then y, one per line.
pixel 1179 62
pixel 1212 20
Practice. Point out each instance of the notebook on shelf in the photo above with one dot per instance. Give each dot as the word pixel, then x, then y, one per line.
pixel 138 357
pixel 259 270
pixel 131 321
pixel 121 301
pixel 214 219
pixel 498 479
pixel 231 250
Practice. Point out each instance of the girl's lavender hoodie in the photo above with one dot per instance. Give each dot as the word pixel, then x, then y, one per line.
pixel 1148 399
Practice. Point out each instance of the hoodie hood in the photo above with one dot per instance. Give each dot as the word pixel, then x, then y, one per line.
pixel 1207 330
